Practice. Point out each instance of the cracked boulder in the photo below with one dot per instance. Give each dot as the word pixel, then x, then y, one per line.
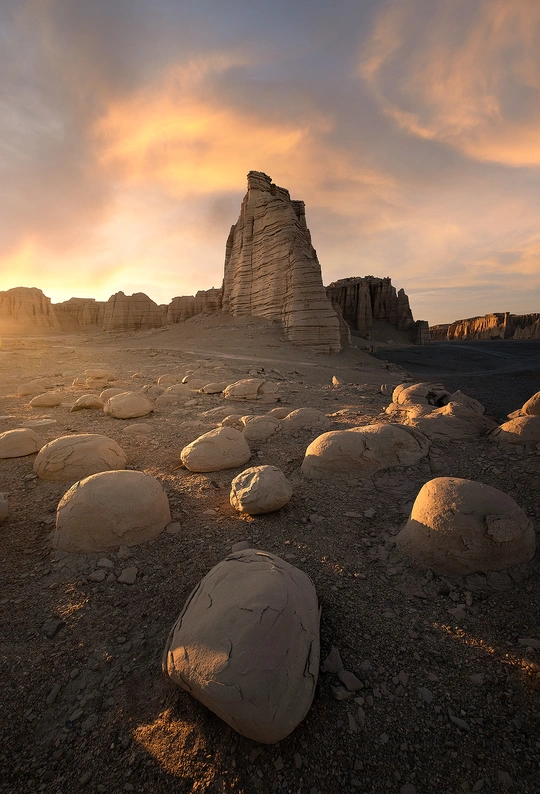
pixel 458 527
pixel 521 430
pixel 260 428
pixel 306 418
pixel 222 448
pixel 87 401
pixel 78 456
pixel 260 489
pixel 532 406
pixel 128 405
pixel 454 420
pixel 252 389
pixel 109 510
pixel 246 644
pixel 19 442
pixel 361 451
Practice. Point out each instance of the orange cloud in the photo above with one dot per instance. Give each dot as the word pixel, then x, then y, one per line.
pixel 462 74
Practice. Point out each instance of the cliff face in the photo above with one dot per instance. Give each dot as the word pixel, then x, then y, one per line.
pixel 363 300
pixel 272 270
pixel 27 307
pixel 80 312
pixel 204 302
pixel 132 313
pixel 491 326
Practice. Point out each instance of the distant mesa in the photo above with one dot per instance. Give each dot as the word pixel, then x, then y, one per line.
pixel 501 325
pixel 271 271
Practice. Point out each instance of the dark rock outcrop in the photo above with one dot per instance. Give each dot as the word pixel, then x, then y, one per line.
pixel 364 300
pixel 272 270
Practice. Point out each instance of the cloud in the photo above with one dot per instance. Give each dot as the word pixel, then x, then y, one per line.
pixel 464 74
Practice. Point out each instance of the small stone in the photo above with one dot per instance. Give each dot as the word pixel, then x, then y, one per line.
pixel 173 528
pixel 128 575
pixel 370 513
pixel 278 763
pixel 333 663
pixel 97 576
pixel 403 677
pixel 458 722
pixel 53 694
pixel 477 678
pixel 350 681
pixel 240 546
pixel 76 715
pixel 51 627
pixel 529 642
pixel 504 778
pixel 361 717
pixel 297 760
pixel 352 723
pixel 340 693
pixel 104 562
pixel 479 785
pixel 384 738
pixel 84 779
pixel 425 694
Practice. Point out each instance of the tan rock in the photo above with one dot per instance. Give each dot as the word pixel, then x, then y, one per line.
pixel 167 380
pixel 223 448
pixel 420 393
pixel 260 489
pixel 96 383
pixel 140 428
pixel 181 389
pixel 48 400
pixel 36 386
pixel 522 430
pixel 100 374
pixel 453 420
pixel 368 299
pixel 26 308
pixel 20 442
pixel 246 644
pixel 214 387
pixel 234 420
pixel 152 392
pixel 361 451
pixel 252 389
pixel 306 418
pixel 460 526
pixel 279 413
pixel 4 507
pixel 78 456
pixel 106 394
pixel 132 313
pixel 87 401
pixel 260 428
pixel 109 510
pixel 464 399
pixel 128 405
pixel 272 271
pixel 532 406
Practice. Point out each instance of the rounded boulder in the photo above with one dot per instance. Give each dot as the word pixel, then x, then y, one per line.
pixel 454 420
pixel 246 644
pixel 78 456
pixel 128 405
pixel 19 442
pixel 260 489
pixel 361 451
pixel 47 400
pixel 521 430
pixel 532 406
pixel 260 428
pixel 458 527
pixel 223 448
pixel 111 509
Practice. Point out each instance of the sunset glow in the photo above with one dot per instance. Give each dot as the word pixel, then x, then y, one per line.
pixel 409 128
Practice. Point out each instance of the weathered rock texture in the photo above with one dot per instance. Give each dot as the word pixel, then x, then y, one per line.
pixel 203 302
pixel 132 313
pixel 260 489
pixel 27 307
pixel 80 313
pixel 363 300
pixel 78 456
pixel 461 526
pixel 272 270
pixel 246 644
pixel 491 326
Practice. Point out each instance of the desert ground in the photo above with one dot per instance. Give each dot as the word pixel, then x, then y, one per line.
pixel 449 701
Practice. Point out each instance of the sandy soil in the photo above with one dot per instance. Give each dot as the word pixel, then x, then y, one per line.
pixel 450 695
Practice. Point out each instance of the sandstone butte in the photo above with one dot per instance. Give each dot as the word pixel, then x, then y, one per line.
pixel 271 271
pixel 501 325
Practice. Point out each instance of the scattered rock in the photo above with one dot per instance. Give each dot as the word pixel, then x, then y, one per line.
pixel 128 575
pixel 260 674
pixel 260 489
pixel 333 663
pixel 252 389
pixel 350 681
pixel 47 400
pixel 223 448
pixel 78 456
pixel 36 386
pixel 110 509
pixel 308 418
pixel 87 401
pixel 140 428
pixel 20 442
pixel 128 405
pixel 260 428
pixel 52 626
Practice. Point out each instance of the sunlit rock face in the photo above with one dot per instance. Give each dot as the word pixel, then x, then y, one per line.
pixel 491 326
pixel 80 312
pixel 27 307
pixel 132 313
pixel 365 299
pixel 272 270
pixel 246 644
pixel 205 301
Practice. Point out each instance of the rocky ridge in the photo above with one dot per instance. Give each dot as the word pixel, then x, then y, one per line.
pixel 502 325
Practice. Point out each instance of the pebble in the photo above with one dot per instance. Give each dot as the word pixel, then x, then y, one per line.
pixel 340 693
pixel 97 576
pixel 504 778
pixel 53 694
pixel 425 694
pixel 297 760
pixel 278 763
pixel 51 627
pixel 173 528
pixel 128 575
pixel 104 562
pixel 333 663
pixel 349 680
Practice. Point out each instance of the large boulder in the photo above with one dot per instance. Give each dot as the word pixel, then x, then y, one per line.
pixel 223 448
pixel 521 430
pixel 306 419
pixel 422 393
pixel 109 510
pixel 260 428
pixel 36 386
pixel 128 405
pixel 532 406
pixel 361 451
pixel 454 420
pixel 460 526
pixel 78 456
pixel 87 401
pixel 246 644
pixel 260 489
pixel 20 442
pixel 47 400
pixel 252 389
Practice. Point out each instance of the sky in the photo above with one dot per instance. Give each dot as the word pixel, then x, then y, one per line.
pixel 410 128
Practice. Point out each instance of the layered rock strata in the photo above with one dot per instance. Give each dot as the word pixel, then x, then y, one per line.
pixel 272 270
pixel 203 302
pixel 80 312
pixel 365 299
pixel 27 307
pixel 501 325
pixel 135 312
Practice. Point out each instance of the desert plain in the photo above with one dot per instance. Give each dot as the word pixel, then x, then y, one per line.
pixel 449 666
